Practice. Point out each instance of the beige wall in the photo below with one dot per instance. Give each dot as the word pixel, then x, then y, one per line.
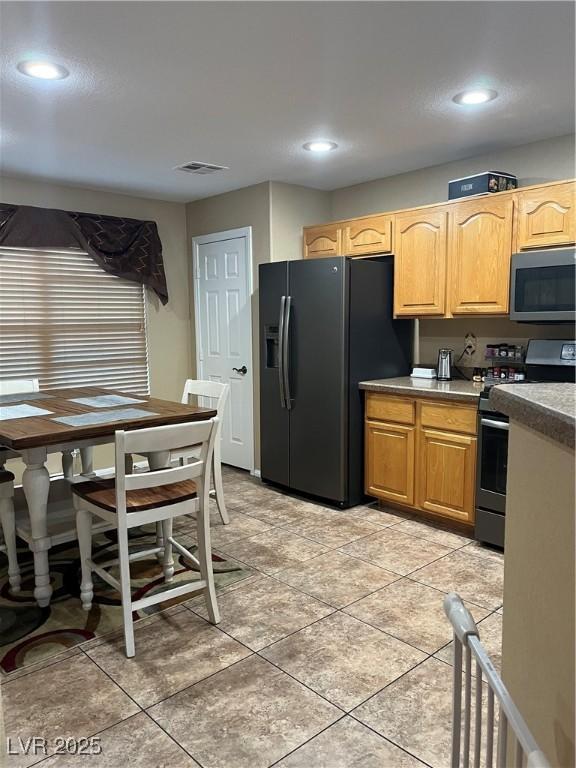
pixel 169 336
pixel 291 208
pixel 247 207
pixel 533 163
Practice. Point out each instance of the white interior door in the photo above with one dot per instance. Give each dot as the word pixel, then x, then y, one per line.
pixel 222 278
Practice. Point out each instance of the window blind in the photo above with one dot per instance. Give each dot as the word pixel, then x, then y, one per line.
pixel 70 324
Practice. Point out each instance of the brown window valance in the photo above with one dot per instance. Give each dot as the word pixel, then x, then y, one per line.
pixel 128 248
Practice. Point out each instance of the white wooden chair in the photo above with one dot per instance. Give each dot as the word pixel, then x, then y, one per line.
pixel 136 499
pixel 217 393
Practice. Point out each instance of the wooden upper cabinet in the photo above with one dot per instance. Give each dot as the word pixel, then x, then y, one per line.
pixel 367 236
pixel 446 474
pixel 547 216
pixel 322 241
pixel 479 256
pixel 420 244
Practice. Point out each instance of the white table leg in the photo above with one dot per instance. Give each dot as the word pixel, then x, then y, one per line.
pixel 68 464
pixel 87 459
pixel 36 486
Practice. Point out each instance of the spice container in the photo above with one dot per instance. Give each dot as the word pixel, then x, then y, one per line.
pixel 490 351
pixel 503 350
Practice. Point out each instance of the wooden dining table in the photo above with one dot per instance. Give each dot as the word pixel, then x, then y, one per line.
pixel 70 419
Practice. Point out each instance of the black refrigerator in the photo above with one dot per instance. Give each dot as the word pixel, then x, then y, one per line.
pixel 325 325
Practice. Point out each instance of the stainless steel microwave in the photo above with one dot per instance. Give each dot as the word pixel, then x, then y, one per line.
pixel 542 286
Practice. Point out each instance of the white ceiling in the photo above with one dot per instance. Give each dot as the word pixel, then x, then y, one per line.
pixel 155 84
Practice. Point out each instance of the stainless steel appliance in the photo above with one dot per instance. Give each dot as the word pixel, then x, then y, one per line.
pixel 547 360
pixel 542 286
pixel 325 325
pixel 444 365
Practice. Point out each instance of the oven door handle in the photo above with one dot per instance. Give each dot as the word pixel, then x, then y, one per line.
pixel 496 424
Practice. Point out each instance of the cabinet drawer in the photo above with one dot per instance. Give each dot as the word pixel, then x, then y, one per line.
pixel 448 417
pixel 386 408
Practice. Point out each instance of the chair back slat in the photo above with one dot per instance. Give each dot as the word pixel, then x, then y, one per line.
pixel 167 438
pixel 160 477
pixel 214 391
pixel 17 386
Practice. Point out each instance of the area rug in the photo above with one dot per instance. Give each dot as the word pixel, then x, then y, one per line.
pixel 29 634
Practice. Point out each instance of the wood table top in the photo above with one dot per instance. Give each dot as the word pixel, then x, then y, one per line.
pixel 40 431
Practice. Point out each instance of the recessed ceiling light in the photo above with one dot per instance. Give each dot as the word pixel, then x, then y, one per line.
pixel 476 96
pixel 319 146
pixel 43 70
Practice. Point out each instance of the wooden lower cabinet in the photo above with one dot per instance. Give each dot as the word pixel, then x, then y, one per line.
pixel 446 474
pixel 390 454
pixel 422 455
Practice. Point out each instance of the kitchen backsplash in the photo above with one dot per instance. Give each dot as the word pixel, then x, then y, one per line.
pixel 435 334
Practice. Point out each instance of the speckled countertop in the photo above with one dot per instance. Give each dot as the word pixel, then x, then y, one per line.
pixel 547 408
pixel 404 385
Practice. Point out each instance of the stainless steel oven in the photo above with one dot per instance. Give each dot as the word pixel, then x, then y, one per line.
pixel 492 468
pixel 542 286
pixel 547 360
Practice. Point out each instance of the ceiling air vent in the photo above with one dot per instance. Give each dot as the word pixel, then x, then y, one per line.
pixel 194 166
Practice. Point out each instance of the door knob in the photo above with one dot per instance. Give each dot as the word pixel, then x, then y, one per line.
pixel 242 370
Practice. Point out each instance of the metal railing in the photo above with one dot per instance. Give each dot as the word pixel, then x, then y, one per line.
pixel 522 751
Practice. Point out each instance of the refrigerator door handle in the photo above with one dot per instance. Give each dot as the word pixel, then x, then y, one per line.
pixel 281 348
pixel 285 355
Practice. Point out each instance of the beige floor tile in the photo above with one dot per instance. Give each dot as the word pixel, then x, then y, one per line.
pixel 248 716
pixel 415 712
pixel 169 657
pixel 490 630
pixel 349 744
pixel 265 611
pixel 395 551
pixel 332 528
pixel 435 533
pixel 135 743
pixel 411 612
pixel 336 578
pixel 479 580
pixel 273 550
pixel 72 698
pixel 38 665
pixel 240 527
pixel 482 550
pixel 380 515
pixel 281 509
pixel 343 659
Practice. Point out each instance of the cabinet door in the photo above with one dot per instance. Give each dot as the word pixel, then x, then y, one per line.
pixel 546 216
pixel 480 250
pixel 366 236
pixel 322 241
pixel 446 474
pixel 390 461
pixel 420 240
